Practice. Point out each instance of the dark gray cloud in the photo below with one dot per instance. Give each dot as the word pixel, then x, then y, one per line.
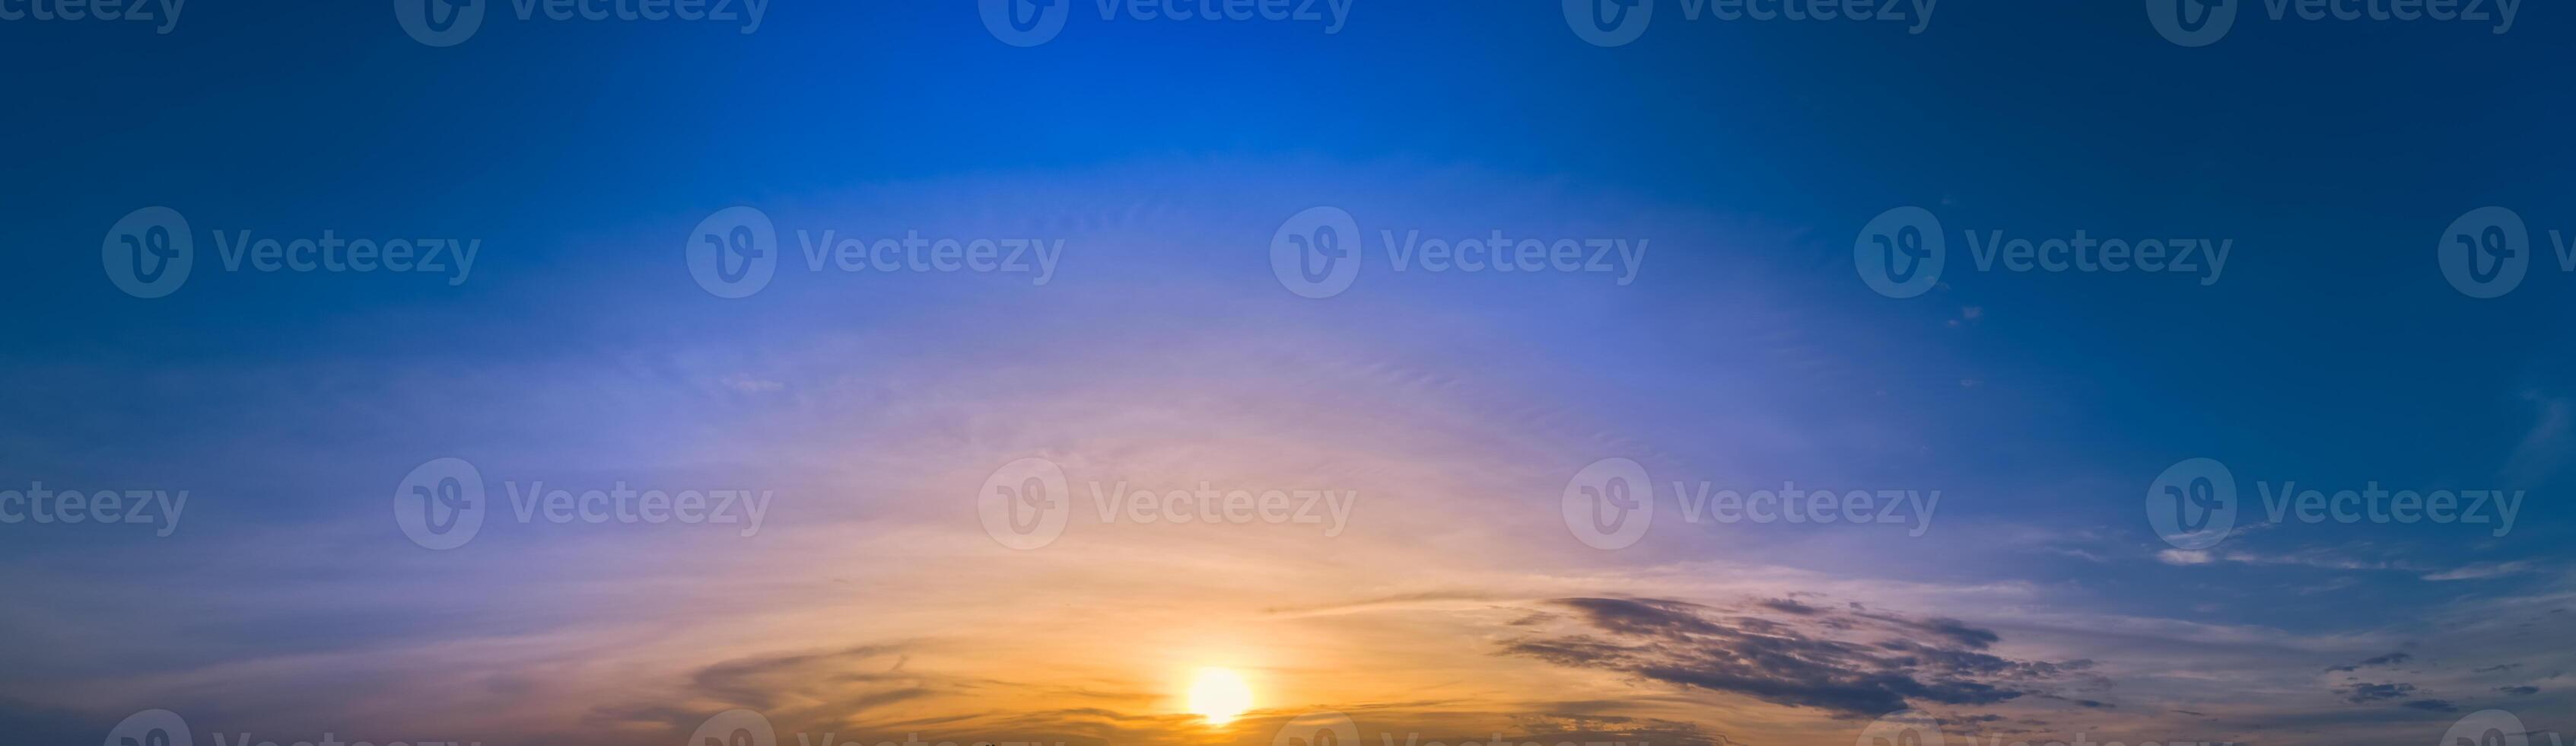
pixel 1850 663
pixel 1949 629
pixel 2091 703
pixel 826 690
pixel 2367 693
pixel 2390 659
pixel 2364 693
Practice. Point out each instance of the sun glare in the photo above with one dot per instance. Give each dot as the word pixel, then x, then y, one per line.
pixel 1219 695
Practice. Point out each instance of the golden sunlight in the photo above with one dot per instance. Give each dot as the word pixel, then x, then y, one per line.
pixel 1219 695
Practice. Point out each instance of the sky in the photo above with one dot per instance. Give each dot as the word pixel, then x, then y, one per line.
pixel 945 371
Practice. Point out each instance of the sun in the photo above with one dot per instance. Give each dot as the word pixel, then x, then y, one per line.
pixel 1219 695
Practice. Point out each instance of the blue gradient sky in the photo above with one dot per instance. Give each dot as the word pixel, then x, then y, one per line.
pixel 579 351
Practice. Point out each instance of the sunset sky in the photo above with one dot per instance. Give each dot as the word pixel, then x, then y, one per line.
pixel 1423 576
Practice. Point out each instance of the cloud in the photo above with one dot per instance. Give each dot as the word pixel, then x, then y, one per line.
pixel 1855 663
pixel 2364 693
pixel 836 686
pixel 2091 703
pixel 2329 560
pixel 1946 628
pixel 2481 571
pixel 2390 659
pixel 751 385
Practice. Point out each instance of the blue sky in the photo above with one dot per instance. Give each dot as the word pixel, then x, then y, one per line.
pixel 1164 156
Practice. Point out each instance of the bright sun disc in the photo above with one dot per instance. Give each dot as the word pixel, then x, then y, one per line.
pixel 1219 695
